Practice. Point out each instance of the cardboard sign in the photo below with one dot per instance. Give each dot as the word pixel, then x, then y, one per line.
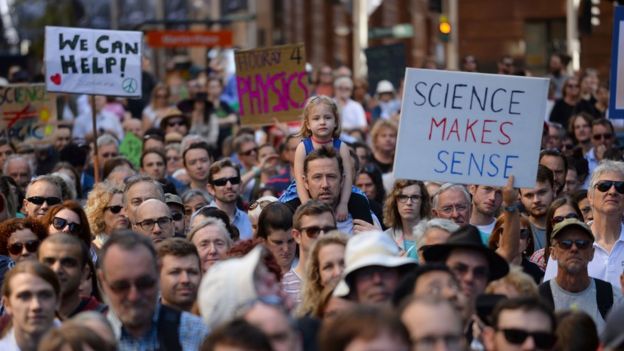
pixel 470 128
pixel 87 61
pixel 271 82
pixel 616 98
pixel 131 147
pixel 188 38
pixel 27 111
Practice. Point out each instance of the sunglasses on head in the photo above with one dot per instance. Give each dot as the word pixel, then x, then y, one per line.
pixel 559 219
pixel 605 185
pixel 39 200
pixel 605 136
pixel 224 181
pixel 314 231
pixel 17 248
pixel 580 244
pixel 542 340
pixel 114 209
pixel 60 223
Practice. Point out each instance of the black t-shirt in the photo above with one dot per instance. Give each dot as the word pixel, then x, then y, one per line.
pixel 561 113
pixel 383 167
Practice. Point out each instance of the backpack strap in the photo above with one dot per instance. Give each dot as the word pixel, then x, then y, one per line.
pixel 545 291
pixel 604 297
pixel 169 328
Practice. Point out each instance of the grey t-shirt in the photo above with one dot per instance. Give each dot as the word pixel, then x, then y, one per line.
pixel 584 301
pixel 539 237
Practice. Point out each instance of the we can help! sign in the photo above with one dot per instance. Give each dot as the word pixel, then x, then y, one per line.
pixel 470 128
pixel 87 61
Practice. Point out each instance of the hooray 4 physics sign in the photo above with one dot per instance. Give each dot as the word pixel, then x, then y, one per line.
pixel 87 61
pixel 470 128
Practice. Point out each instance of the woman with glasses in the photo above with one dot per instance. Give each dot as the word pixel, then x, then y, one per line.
pixel 105 212
pixel 560 209
pixel 564 107
pixel 256 208
pixel 69 217
pixel 406 205
pixel 193 200
pixel 20 238
pixel 323 270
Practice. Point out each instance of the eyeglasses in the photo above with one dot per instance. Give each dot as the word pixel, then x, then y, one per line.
pixel 542 340
pixel 449 209
pixel 262 204
pixel 567 146
pixel 39 200
pixel 177 216
pixel 148 224
pixel 110 154
pixel 402 198
pixel 461 269
pixel 224 181
pixel 114 209
pixel 605 136
pixel 124 286
pixel 175 123
pixel 17 248
pixel 581 244
pixel 604 186
pixel 173 158
pixel 249 152
pixel 313 231
pixel 60 223
pixel 559 219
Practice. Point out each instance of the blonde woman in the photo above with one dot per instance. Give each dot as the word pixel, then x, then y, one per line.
pixel 323 268
pixel 105 212
pixel 405 206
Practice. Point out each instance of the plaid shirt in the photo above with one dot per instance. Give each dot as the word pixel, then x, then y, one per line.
pixel 192 332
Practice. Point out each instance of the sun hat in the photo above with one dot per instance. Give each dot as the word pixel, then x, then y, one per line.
pixel 468 237
pixel 384 86
pixel 172 112
pixel 568 223
pixel 367 249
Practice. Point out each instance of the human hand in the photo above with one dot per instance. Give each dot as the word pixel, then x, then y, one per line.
pixel 510 194
pixel 360 225
pixel 342 212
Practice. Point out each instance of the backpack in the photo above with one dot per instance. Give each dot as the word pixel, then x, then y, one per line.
pixel 604 295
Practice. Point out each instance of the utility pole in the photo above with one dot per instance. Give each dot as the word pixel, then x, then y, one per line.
pixel 360 37
pixel 572 36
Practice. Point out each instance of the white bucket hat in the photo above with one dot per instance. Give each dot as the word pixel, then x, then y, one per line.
pixel 367 249
pixel 384 86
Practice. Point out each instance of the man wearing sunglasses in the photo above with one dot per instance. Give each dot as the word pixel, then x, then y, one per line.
pixel 129 277
pixel 521 324
pixel 224 184
pixel 603 137
pixel 606 198
pixel 41 194
pixel 176 206
pixel 572 247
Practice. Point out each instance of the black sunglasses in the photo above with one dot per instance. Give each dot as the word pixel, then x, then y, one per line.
pixel 39 200
pixel 542 340
pixel 559 219
pixel 580 244
pixel 224 181
pixel 605 136
pixel 177 216
pixel 114 209
pixel 314 231
pixel 17 248
pixel 249 152
pixel 60 223
pixel 605 185
pixel 141 284
pixel 176 123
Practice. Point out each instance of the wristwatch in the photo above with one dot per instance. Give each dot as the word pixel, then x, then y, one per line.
pixel 512 208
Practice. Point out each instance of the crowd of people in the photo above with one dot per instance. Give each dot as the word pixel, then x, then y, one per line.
pixel 297 236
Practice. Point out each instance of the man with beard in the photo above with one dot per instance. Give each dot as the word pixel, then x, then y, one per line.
pixel 68 257
pixel 129 276
pixel 486 201
pixel 536 201
pixel 180 273
pixel 224 184
pixel 572 288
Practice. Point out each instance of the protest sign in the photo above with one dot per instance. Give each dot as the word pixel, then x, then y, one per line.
pixel 87 61
pixel 470 128
pixel 616 100
pixel 271 82
pixel 27 111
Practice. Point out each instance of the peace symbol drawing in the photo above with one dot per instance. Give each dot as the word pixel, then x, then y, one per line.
pixel 129 85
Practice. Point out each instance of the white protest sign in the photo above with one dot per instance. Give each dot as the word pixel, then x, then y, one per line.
pixel 470 128
pixel 87 61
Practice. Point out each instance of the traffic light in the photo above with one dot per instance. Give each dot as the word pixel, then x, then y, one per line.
pixel 589 15
pixel 444 29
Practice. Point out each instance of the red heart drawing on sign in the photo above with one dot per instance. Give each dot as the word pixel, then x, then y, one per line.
pixel 56 79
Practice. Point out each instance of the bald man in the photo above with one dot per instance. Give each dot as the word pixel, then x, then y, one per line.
pixel 153 219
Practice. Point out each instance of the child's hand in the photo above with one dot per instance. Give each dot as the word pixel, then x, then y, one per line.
pixel 341 212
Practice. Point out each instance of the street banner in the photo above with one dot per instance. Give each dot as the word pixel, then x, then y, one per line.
pixel 88 61
pixel 616 98
pixel 26 111
pixel 188 38
pixel 271 82
pixel 470 128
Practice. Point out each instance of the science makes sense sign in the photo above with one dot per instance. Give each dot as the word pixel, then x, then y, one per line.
pixel 271 83
pixel 87 61
pixel 470 128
